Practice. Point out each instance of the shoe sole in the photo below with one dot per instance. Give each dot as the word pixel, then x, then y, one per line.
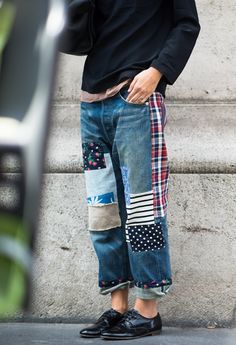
pixel 89 336
pixel 157 332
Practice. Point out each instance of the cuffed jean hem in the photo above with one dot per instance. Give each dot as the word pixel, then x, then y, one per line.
pixel 152 293
pixel 124 285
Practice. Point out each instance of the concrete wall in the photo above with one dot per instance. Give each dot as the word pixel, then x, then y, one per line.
pixel 201 142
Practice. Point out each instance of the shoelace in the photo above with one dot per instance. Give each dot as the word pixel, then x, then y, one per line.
pixel 128 316
pixel 106 314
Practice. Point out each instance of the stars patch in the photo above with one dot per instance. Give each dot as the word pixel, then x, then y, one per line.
pixel 145 237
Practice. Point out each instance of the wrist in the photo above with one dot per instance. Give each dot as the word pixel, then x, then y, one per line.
pixel 156 73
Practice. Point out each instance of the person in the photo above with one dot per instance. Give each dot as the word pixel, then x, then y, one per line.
pixel 141 46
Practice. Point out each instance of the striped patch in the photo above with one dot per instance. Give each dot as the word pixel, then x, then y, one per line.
pixel 140 209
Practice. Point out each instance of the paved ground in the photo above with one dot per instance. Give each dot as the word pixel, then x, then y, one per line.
pixel 63 334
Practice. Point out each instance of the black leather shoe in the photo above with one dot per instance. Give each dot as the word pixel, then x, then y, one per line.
pixel 133 325
pixel 108 319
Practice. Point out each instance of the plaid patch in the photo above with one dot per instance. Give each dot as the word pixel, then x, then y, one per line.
pixel 160 164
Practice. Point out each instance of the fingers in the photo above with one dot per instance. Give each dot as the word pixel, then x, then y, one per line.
pixel 137 94
pixel 134 91
pixel 132 84
pixel 136 97
pixel 141 87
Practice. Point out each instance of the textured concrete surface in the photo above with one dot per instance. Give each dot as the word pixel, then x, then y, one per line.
pixel 200 137
pixel 210 72
pixel 61 334
pixel 202 237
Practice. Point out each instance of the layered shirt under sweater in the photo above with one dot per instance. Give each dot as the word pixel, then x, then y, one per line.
pixel 132 35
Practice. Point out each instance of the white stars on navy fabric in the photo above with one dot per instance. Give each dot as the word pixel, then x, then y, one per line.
pixel 145 237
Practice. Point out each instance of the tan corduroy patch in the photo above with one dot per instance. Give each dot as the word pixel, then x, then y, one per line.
pixel 103 217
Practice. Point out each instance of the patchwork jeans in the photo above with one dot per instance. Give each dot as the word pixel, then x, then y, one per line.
pixel 126 173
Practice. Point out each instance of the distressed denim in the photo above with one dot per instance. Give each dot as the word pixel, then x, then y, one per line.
pixel 126 173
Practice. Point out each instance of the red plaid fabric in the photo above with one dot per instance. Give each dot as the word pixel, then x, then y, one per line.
pixel 160 164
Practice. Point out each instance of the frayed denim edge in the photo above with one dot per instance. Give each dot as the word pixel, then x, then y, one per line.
pixel 152 293
pixel 105 291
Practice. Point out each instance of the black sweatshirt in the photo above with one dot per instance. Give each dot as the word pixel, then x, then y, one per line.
pixel 132 35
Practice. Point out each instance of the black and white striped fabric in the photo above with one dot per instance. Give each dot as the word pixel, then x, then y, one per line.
pixel 140 210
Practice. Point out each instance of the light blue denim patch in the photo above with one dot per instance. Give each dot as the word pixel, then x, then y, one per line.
pixel 101 182
pixel 124 172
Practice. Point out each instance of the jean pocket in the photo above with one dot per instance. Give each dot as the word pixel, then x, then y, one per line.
pixel 123 93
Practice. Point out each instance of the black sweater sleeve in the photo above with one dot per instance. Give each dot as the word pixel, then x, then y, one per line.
pixel 180 41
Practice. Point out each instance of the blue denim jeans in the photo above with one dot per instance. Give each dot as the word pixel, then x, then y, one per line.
pixel 126 173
